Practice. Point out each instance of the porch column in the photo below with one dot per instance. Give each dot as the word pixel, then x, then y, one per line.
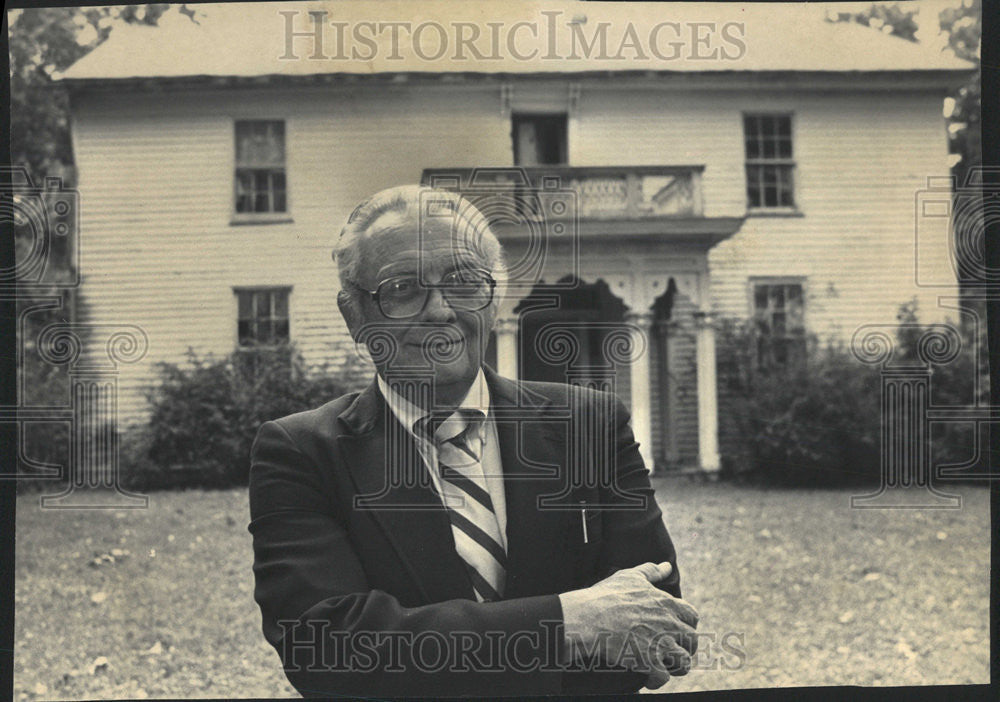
pixel 639 371
pixel 506 338
pixel 708 420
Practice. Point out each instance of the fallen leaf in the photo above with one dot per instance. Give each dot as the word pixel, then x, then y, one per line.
pixel 765 533
pixel 98 597
pixel 154 650
pixel 41 688
pixel 846 617
pixel 942 535
pixel 99 663
pixel 872 576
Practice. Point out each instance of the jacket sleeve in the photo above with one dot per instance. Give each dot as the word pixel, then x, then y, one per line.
pixel 636 535
pixel 630 535
pixel 337 636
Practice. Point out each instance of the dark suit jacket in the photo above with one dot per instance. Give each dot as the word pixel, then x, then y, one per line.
pixel 348 591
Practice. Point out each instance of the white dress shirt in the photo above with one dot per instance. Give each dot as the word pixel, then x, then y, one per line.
pixel 478 399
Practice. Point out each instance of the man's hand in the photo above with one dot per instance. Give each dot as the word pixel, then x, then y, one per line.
pixel 627 621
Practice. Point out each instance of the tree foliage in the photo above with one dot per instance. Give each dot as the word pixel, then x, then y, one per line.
pixel 891 19
pixel 43 41
pixel 964 27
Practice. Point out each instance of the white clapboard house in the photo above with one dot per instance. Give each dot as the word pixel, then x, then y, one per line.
pixel 743 161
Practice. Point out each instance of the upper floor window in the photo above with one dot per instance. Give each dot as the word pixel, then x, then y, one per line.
pixel 539 139
pixel 260 167
pixel 779 321
pixel 262 318
pixel 769 162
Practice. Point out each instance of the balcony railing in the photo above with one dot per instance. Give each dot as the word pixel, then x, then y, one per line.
pixel 602 192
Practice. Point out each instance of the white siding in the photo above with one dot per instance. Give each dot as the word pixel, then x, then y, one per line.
pixel 156 180
pixel 156 170
pixel 861 160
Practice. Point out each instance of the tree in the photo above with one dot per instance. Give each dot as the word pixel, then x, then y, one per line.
pixel 964 27
pixel 890 19
pixel 44 41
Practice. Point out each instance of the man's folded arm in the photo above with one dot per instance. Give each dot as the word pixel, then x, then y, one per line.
pixel 635 535
pixel 336 635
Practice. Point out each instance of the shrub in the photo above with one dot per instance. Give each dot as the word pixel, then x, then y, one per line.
pixel 205 415
pixel 818 421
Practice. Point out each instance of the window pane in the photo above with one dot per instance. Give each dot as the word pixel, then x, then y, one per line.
pixel 770 196
pixel 260 143
pixel 281 330
pixel 277 142
pixel 766 125
pixel 264 335
pixel 783 126
pixel 753 186
pixel 753 151
pixel 760 298
pixel 778 297
pixel 262 304
pixel 784 148
pixel 244 332
pixel 795 307
pixel 788 188
pixel 769 148
pixel 281 304
pixel 246 308
pixel 278 203
pixel 260 203
pixel 785 199
pixel 778 326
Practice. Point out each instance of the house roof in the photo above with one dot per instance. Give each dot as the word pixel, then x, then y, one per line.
pixel 248 41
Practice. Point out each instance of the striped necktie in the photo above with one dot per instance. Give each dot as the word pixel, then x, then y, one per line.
pixel 459 443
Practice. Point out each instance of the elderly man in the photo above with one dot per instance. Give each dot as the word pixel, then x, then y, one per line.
pixel 435 534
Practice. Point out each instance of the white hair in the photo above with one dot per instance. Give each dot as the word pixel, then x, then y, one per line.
pixel 408 199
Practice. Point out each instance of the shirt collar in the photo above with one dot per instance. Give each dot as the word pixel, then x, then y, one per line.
pixel 408 414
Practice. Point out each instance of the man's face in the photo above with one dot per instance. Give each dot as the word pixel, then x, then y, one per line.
pixel 396 247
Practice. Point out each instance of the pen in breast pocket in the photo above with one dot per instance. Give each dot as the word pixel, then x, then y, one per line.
pixel 583 521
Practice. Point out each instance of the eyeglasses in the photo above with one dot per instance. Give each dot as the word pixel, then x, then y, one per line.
pixel 405 296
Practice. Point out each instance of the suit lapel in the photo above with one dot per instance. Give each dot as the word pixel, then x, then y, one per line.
pixel 532 449
pixel 394 487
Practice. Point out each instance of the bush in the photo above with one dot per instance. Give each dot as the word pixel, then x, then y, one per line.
pixel 817 421
pixel 205 415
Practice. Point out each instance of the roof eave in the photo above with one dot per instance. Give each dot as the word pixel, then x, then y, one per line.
pixel 899 79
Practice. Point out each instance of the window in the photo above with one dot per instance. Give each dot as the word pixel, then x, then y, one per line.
pixel 539 139
pixel 262 316
pixel 260 167
pixel 769 164
pixel 778 309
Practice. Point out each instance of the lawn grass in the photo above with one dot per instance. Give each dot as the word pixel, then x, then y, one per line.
pixel 794 588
